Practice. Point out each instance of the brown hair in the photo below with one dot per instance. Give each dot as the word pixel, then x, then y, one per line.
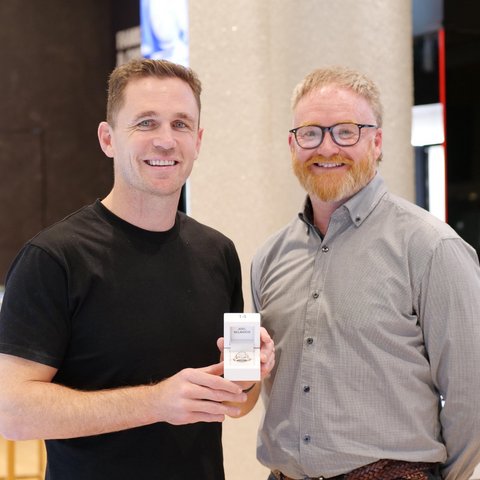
pixel 120 77
pixel 341 77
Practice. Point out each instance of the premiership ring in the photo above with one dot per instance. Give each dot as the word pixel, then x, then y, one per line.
pixel 241 357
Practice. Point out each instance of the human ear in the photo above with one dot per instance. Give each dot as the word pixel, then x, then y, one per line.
pixel 378 142
pixel 105 139
pixel 199 142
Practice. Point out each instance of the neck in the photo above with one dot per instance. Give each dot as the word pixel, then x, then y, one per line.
pixel 154 213
pixel 323 211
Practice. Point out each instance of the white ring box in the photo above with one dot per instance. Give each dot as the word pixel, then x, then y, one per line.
pixel 241 332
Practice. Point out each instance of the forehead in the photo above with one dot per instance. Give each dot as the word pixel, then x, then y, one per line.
pixel 163 96
pixel 331 104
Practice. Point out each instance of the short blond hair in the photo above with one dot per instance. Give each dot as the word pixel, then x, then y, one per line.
pixel 341 77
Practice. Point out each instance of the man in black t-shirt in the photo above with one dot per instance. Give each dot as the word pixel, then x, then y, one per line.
pixel 110 320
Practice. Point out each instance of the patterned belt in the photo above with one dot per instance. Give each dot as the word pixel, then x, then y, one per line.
pixel 381 470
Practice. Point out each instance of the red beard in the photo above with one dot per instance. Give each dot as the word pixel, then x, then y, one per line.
pixel 334 186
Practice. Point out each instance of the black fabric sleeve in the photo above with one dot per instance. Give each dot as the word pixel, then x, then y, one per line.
pixel 34 319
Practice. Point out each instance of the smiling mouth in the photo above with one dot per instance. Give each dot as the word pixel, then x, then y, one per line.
pixel 161 163
pixel 329 165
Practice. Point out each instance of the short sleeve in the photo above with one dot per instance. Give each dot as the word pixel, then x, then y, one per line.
pixel 35 318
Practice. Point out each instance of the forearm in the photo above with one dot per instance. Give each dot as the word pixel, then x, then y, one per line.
pixel 33 407
pixel 46 410
pixel 252 398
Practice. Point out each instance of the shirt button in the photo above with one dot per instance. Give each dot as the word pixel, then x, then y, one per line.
pixel 309 340
pixel 325 249
pixel 306 439
pixel 315 294
pixel 306 388
pixel 357 219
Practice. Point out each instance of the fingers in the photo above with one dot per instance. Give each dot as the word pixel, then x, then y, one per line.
pixel 215 409
pixel 209 411
pixel 267 346
pixel 195 395
pixel 220 345
pixel 266 368
pixel 264 336
pixel 215 369
pixel 184 411
pixel 210 377
pixel 267 356
pixel 267 353
pixel 206 384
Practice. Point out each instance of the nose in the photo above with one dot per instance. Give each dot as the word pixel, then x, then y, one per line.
pixel 328 147
pixel 163 138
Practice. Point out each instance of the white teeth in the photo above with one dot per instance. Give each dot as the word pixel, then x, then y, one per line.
pixel 330 165
pixel 160 163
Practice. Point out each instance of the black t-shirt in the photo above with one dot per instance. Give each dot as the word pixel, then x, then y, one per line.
pixel 111 305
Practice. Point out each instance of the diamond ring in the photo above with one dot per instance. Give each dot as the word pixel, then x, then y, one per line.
pixel 241 357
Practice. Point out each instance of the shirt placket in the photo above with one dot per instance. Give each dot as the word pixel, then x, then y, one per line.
pixel 310 396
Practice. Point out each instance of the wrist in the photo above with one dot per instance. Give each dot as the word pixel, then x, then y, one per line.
pixel 249 388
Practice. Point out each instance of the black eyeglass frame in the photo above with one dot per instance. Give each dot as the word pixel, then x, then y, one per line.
pixel 329 130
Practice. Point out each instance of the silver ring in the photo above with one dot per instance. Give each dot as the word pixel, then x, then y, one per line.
pixel 241 357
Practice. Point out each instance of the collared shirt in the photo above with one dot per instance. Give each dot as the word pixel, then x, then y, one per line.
pixel 371 325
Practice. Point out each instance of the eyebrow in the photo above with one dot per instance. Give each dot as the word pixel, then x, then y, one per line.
pixel 147 113
pixel 185 116
pixel 306 124
pixel 153 113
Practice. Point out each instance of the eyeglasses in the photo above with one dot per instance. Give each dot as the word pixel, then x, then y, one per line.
pixel 343 134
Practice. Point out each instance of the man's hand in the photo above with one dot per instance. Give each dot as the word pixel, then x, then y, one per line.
pixel 195 395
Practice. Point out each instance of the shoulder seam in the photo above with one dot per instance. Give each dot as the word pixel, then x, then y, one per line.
pixel 58 222
pixel 442 236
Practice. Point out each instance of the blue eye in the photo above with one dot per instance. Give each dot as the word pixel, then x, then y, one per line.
pixel 345 131
pixel 310 132
pixel 180 124
pixel 145 123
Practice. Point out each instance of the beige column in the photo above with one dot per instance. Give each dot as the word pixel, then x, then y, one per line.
pixel 249 55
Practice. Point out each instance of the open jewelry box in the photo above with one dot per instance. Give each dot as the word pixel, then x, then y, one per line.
pixel 241 346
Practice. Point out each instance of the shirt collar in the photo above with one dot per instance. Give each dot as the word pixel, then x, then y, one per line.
pixel 364 202
pixel 359 206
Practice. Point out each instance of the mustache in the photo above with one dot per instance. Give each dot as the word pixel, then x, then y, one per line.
pixel 322 159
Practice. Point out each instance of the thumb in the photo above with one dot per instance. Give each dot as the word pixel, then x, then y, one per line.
pixel 220 344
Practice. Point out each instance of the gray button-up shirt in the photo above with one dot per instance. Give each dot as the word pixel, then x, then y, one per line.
pixel 371 325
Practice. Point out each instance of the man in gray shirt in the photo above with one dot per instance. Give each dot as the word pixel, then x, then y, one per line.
pixel 374 307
